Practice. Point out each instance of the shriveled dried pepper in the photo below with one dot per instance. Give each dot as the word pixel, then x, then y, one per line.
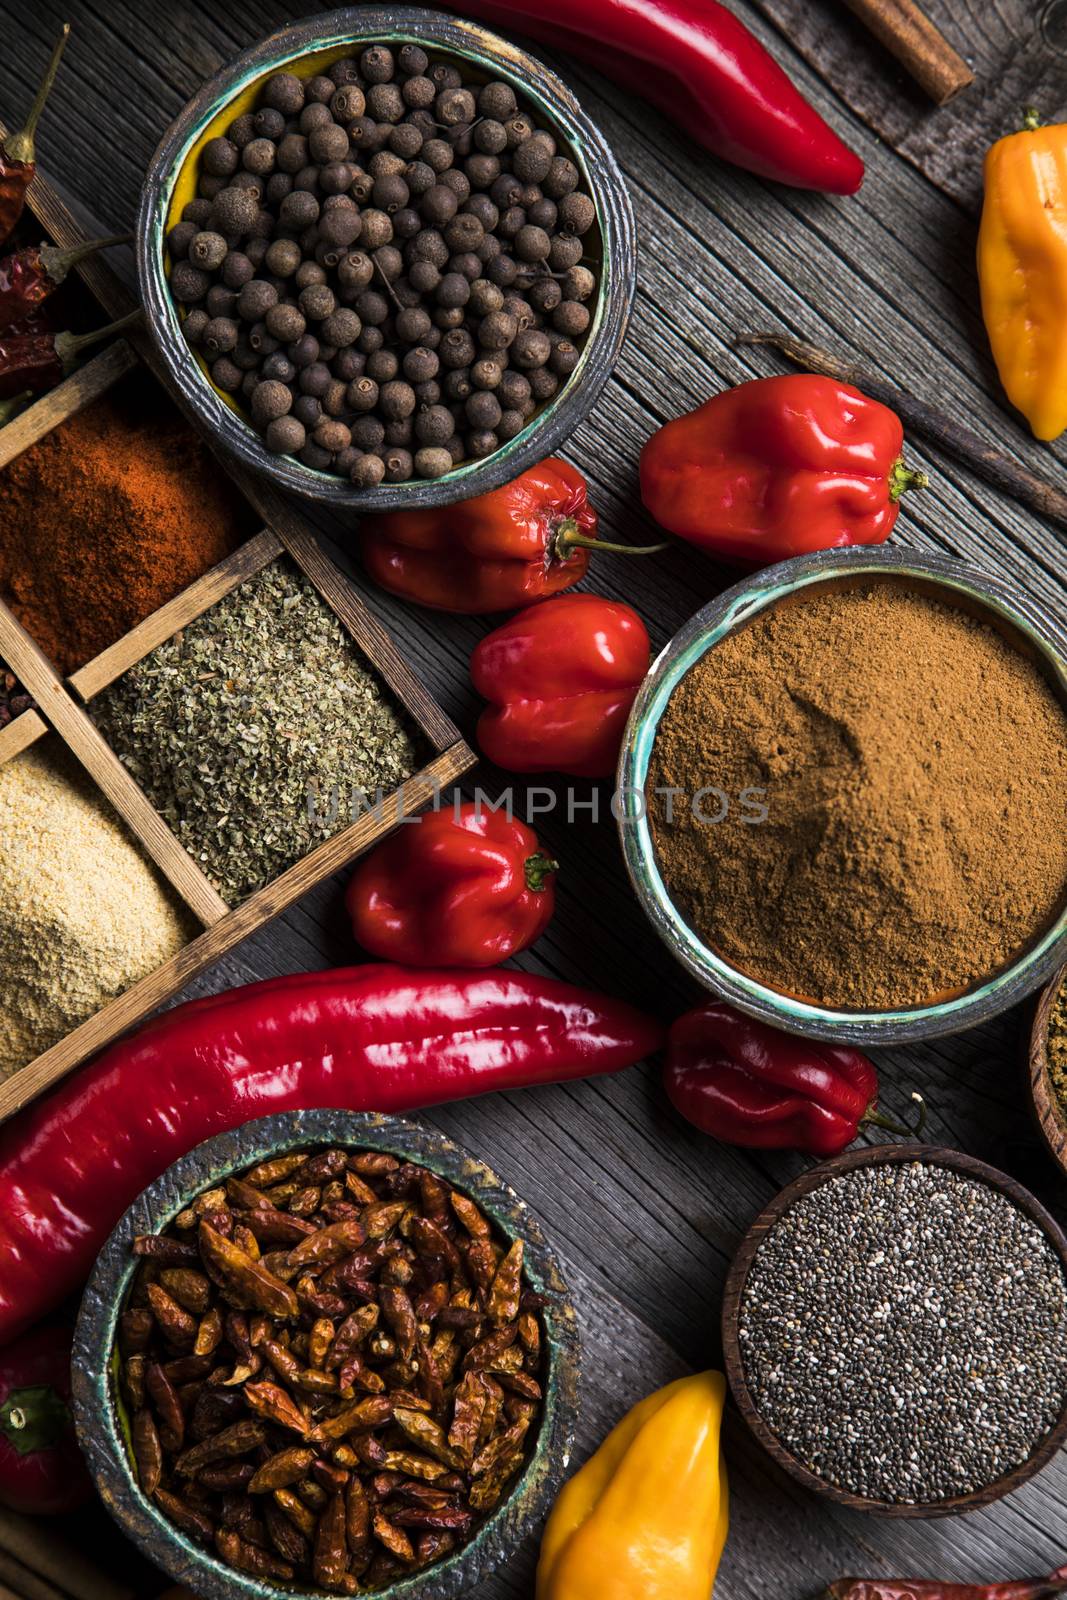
pixel 29 276
pixel 934 1589
pixel 18 157
pixel 38 361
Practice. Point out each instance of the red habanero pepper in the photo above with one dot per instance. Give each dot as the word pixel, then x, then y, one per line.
pixel 41 1467
pixel 31 275
pixel 749 1084
pixel 39 360
pixel 777 467
pixel 367 1038
pixel 701 66
pixel 494 552
pixel 465 887
pixel 18 158
pixel 560 678
pixel 933 1589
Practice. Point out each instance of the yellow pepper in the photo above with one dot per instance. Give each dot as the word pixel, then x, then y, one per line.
pixel 646 1517
pixel 1022 269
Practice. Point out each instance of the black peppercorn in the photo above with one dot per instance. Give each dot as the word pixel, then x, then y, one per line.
pixel 187 283
pixel 242 130
pixel 279 184
pixel 328 143
pixel 368 433
pixel 420 177
pixel 565 251
pixel 396 400
pixel 348 103
pixel 399 465
pixel 355 270
pixel 234 210
pixel 438 154
pixel 382 365
pixel 193 325
pixel 219 336
pixel 362 394
pixel 344 70
pixel 446 317
pixel 432 461
pixel 180 238
pixel 467 264
pixel 564 358
pixel 278 365
pixel 487 372
pixel 304 350
pixel 544 294
pixel 512 221
pixel 543 383
pixel 313 456
pixel 435 425
pixel 220 158
pixel 285 435
pixel 208 251
pixel 226 374
pixel 571 318
pixel 483 409
pixel 341 328
pixel 530 348
pixel 518 129
pixel 284 91
pixel 368 472
pixel 220 301
pixel 497 331
pixel 198 211
pixel 412 58
pixel 271 399
pixel 319 89
pixel 482 443
pixel 332 435
pixel 317 301
pixel 502 270
pixel 258 157
pixel 376 64
pixel 269 123
pixel 576 213
pixel 385 102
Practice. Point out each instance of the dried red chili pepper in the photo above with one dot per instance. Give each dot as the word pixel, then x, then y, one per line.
pixel 525 541
pixel 38 361
pixel 31 275
pixel 462 887
pixel 18 157
pixel 933 1589
pixel 747 1083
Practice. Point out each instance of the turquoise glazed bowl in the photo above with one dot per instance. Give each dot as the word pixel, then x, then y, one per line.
pixel 990 598
pixel 309 46
pixel 99 1413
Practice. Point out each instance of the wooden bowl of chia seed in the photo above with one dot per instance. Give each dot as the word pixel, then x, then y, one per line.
pixel 1047 1067
pixel 895 1331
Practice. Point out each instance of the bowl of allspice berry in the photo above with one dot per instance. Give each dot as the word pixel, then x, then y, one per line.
pixel 387 259
pixel 327 1352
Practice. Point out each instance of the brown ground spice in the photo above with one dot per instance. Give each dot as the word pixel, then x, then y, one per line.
pixel 915 769
pixel 1056 1048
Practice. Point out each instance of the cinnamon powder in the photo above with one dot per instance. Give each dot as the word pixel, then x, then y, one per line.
pixel 914 764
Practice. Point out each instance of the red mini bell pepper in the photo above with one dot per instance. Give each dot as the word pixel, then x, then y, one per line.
pixel 466 887
pixel 747 1083
pixel 777 467
pixel 41 1467
pixel 500 550
pixel 560 678
pixel 700 65
pixel 370 1038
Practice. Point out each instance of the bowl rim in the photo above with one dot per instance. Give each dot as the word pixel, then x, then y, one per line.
pixel 551 98
pixel 1051 1121
pixel 100 1435
pixel 733 1292
pixel 729 612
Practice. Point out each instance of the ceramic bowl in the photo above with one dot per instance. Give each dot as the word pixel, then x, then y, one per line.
pixel 986 596
pixel 1051 1118
pixel 306 48
pixel 100 1414
pixel 896 1154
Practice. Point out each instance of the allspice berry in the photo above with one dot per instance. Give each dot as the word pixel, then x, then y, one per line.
pixel 432 461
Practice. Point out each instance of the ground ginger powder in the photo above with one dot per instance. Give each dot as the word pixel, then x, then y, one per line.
pixel 914 764
pixel 83 914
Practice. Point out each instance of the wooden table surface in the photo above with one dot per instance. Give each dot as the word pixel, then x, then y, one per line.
pixel 644 1211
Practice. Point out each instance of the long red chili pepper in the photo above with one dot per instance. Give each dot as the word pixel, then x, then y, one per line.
pixel 18 158
pixel 41 1468
pixel 370 1038
pixel 29 276
pixel 932 1589
pixel 700 65
pixel 38 361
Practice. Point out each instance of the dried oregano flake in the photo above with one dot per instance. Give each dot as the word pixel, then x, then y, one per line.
pixel 233 723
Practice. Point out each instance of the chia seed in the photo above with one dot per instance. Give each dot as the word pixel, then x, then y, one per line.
pixel 903 1331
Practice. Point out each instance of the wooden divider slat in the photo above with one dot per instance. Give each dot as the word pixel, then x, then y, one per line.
pixel 158 987
pixel 84 386
pixel 200 596
pixel 20 733
pixel 29 663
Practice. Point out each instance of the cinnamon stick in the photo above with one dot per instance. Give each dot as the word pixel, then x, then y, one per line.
pixel 907 33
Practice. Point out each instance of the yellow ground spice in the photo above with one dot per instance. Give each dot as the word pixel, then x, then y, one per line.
pixel 914 764
pixel 83 913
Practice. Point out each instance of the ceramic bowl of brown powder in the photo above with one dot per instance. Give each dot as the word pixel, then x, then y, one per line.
pixel 844 795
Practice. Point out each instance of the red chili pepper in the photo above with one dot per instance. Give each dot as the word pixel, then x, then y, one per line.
pixel 932 1589
pixel 370 1038
pixel 41 1467
pixel 523 542
pixel 31 275
pixel 700 65
pixel 18 158
pixel 747 1083
pixel 39 360
pixel 777 467
pixel 457 888
pixel 560 678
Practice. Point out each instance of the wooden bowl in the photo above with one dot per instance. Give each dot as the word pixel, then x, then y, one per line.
pixel 1051 1121
pixel 734 1290
pixel 103 1428
pixel 308 47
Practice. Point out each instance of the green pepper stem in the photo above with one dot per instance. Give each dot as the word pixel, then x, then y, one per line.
pixel 877 1119
pixel 57 263
pixel 903 478
pixel 567 538
pixel 33 1419
pixel 70 345
pixel 20 147
pixel 1031 120
pixel 537 869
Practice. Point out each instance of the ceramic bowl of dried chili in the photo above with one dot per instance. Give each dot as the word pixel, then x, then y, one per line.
pixel 910 795
pixel 327 1351
pixel 308 50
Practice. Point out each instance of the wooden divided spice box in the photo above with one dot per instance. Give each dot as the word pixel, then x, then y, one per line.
pixel 121 783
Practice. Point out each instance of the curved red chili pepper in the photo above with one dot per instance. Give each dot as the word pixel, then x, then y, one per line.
pixel 776 467
pixel 467 887
pixel 560 678
pixel 41 1467
pixel 700 65
pixel 369 1038
pixel 29 276
pixel 933 1589
pixel 18 157
pixel 747 1083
